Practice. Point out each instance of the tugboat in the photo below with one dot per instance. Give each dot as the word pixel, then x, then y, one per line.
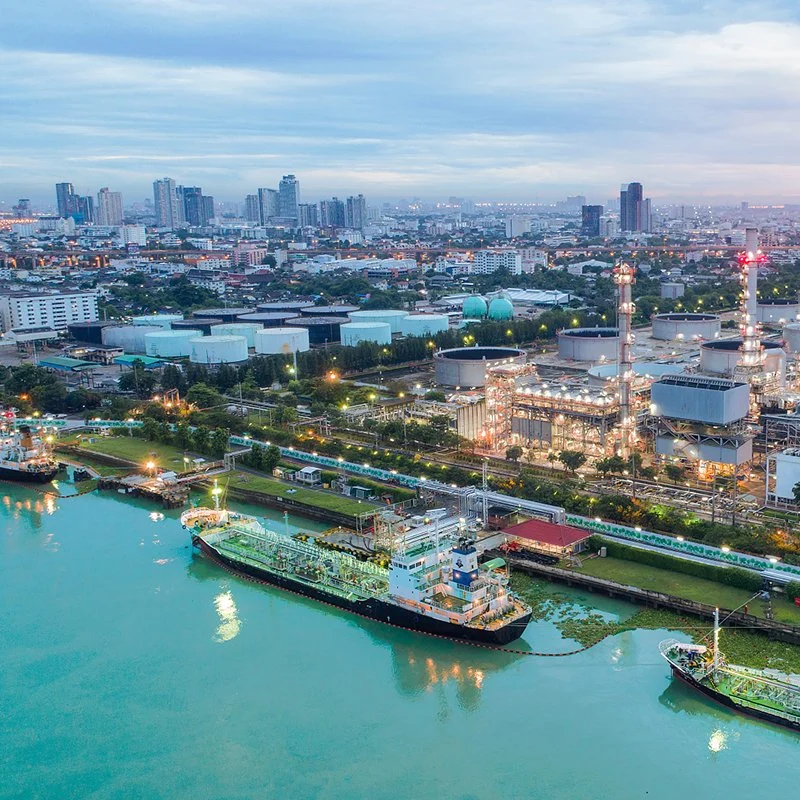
pixel 23 457
pixel 765 694
pixel 435 585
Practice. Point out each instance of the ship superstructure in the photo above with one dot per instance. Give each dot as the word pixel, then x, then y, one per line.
pixel 24 457
pixel 434 585
pixel 766 694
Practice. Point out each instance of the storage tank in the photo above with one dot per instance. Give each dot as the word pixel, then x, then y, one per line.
pixel 686 327
pixel 393 316
pixel 721 357
pixel 588 344
pixel 274 341
pixel 424 324
pixel 284 305
pixel 778 310
pixel 466 366
pixel 158 320
pixel 791 337
pixel 321 330
pixel 222 314
pixel 129 337
pixel 501 309
pixel 218 350
pixel 246 329
pixel 327 311
pixel 268 319
pixel 787 474
pixel 169 344
pixel 353 333
pixel 202 324
pixel 474 307
pixel 672 291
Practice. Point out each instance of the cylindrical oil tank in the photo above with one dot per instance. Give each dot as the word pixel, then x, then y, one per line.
pixel 321 330
pixel 778 310
pixel 466 366
pixel 222 314
pixel 327 311
pixel 158 320
pixel 129 337
pixel 274 341
pixel 791 337
pixel 285 305
pixel 353 333
pixel 685 327
pixel 218 350
pixel 604 376
pixel 722 357
pixel 672 291
pixel 391 315
pixel 268 319
pixel 202 324
pixel 246 329
pixel 588 344
pixel 424 324
pixel 169 344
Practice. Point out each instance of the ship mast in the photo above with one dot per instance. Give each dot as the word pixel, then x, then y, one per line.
pixel 216 492
pixel 715 663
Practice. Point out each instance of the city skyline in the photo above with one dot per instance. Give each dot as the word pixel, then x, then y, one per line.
pixel 532 101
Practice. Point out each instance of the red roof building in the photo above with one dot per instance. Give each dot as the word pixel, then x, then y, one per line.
pixel 548 538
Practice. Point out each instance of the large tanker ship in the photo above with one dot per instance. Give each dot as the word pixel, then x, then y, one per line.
pixel 765 694
pixel 24 457
pixel 435 586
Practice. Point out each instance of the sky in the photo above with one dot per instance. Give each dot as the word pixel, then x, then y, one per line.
pixel 489 99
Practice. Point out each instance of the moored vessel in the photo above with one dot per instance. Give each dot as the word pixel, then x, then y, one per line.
pixel 768 695
pixel 435 586
pixel 23 456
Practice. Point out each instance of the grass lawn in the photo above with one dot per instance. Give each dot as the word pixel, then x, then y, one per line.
pixel 313 497
pixel 643 576
pixel 136 450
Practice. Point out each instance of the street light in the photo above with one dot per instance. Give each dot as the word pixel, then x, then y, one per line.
pixel 151 467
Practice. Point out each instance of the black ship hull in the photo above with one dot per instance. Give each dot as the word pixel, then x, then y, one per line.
pixel 43 476
pixel 373 608
pixel 724 700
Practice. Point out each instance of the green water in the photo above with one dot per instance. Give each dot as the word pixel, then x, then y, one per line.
pixel 130 668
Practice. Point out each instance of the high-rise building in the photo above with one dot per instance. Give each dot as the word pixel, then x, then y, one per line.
pixel 309 215
pixel 22 210
pixel 57 311
pixel 252 212
pixel 193 206
pixel 84 209
pixel 109 207
pixel 590 220
pixel 492 259
pixel 355 213
pixel 65 194
pixel 169 211
pixel 331 213
pixel 289 197
pixel 268 204
pixel 209 212
pixel 631 207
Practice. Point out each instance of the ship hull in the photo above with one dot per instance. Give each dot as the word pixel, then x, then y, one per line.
pixel 725 700
pixel 8 474
pixel 373 608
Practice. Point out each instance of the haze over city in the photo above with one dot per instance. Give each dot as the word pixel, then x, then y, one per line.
pixel 514 101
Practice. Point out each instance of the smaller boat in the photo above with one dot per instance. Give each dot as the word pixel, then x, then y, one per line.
pixel 769 695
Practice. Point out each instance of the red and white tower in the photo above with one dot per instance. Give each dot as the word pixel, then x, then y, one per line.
pixel 624 277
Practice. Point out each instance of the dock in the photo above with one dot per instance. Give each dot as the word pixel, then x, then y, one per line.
pixel 170 495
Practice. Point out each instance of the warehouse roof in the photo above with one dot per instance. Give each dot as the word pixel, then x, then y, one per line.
pixel 536 530
pixel 148 361
pixel 65 364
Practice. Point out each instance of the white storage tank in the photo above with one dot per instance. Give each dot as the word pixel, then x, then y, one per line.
pixel 158 320
pixel 466 367
pixel 778 310
pixel 787 474
pixel 393 316
pixel 721 357
pixel 274 341
pixel 685 326
pixel 353 333
pixel 129 337
pixel 169 344
pixel 246 329
pixel 424 324
pixel 588 344
pixel 218 350
pixel 791 337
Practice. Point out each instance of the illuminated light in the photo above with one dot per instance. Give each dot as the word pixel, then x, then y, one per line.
pixel 717 741
pixel 725 548
pixel 679 538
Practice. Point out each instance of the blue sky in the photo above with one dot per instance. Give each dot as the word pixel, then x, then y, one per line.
pixel 511 99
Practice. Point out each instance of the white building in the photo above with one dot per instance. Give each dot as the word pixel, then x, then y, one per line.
pixel 517 226
pixel 27 310
pixel 109 207
pixel 133 234
pixel 491 260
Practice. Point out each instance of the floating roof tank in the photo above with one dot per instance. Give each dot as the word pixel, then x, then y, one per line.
pixel 157 320
pixel 685 326
pixel 589 344
pixel 474 307
pixel 169 344
pixel 202 324
pixel 246 329
pixel 274 341
pixel 501 308
pixel 777 310
pixel 424 324
pixel 353 333
pixel 791 337
pixel 218 350
pixel 223 314
pixel 268 319
pixel 466 366
pixel 393 316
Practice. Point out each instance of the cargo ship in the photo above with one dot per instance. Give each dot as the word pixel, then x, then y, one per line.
pixel 435 586
pixel 768 695
pixel 23 457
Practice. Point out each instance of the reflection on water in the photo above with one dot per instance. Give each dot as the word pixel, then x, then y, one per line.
pixel 230 624
pixel 31 507
pixel 717 741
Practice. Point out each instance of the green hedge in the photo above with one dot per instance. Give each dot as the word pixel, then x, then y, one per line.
pixel 792 590
pixel 731 576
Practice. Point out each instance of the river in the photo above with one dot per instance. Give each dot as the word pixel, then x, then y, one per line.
pixel 131 668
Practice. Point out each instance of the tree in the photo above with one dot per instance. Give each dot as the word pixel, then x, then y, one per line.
pixel 271 458
pixel 676 474
pixel 796 492
pixel 172 378
pixel 610 464
pixel 200 438
pixel 573 460
pixel 183 435
pixel 514 453
pixel 552 458
pixel 218 442
pixel 203 396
